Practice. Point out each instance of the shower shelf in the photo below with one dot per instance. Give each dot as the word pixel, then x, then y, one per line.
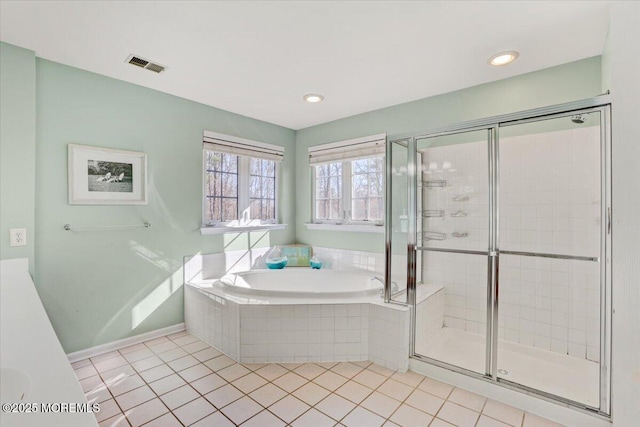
pixel 459 214
pixel 434 183
pixel 456 234
pixel 429 213
pixel 432 235
pixel 461 198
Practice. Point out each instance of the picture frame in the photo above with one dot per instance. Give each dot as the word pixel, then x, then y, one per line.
pixel 105 176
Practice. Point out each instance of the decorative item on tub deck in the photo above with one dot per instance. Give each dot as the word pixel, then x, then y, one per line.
pixel 315 263
pixel 276 263
pixel 298 255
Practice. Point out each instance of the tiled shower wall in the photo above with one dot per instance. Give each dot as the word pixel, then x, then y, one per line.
pixel 549 202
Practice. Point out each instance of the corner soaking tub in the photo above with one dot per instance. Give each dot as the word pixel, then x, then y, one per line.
pixel 302 282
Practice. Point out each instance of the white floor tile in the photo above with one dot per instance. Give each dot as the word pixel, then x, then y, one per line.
pixel 380 404
pixel 264 419
pixel 167 384
pixel 347 369
pixel 134 356
pixel 104 356
pixel 370 379
pixel 132 348
pixel 185 340
pixel 409 378
pixel 195 372
pixel 271 372
pixel 195 347
pixel 249 382
pixel 174 354
pixel 85 372
pixel 81 363
pixel 111 363
pixel 313 418
pixel 467 399
pixel 117 374
pixel 290 381
pixel 219 362
pixel 194 411
pixel 148 363
pixel 208 383
pixel 354 392
pixel 233 372
pixel 309 370
pixel 222 396
pixel 206 354
pixel 330 380
pixel 395 389
pixel 381 370
pixel 108 409
pixel 425 402
pixel 179 396
pixel 167 420
pixel 146 412
pixel 406 416
pixel 183 363
pixel 241 410
pixel 163 346
pixel 435 387
pixel 118 421
pixel 154 374
pixel 267 395
pixel 458 415
pixel 135 397
pixel 335 406
pixel 360 417
pixel 216 419
pixel 485 421
pixel 289 408
pixel 505 413
pixel 311 393
pixel 120 386
pixel 439 423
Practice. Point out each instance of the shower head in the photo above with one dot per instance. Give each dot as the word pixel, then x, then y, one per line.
pixel 579 118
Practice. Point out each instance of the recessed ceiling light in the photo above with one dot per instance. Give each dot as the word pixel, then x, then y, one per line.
pixel 503 58
pixel 313 97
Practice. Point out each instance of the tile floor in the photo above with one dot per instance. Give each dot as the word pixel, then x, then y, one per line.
pixel 179 380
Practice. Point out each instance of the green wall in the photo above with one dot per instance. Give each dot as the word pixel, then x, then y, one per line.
pixel 101 286
pixel 564 83
pixel 17 148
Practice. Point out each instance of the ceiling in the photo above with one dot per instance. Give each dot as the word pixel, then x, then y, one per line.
pixel 259 58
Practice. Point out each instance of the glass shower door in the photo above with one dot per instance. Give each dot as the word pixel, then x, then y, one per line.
pixel 452 224
pixel 552 243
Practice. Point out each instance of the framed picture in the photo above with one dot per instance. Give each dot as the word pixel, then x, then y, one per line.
pixel 102 176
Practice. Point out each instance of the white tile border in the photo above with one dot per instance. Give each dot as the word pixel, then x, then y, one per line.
pixel 115 345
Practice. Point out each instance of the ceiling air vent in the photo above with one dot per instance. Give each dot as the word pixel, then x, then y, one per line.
pixel 146 64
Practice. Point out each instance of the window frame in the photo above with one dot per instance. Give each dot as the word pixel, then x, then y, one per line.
pixel 243 204
pixel 347 195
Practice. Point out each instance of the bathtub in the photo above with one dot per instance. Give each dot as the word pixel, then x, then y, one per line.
pixel 302 282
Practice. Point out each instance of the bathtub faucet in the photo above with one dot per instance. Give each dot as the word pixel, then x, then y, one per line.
pixel 394 285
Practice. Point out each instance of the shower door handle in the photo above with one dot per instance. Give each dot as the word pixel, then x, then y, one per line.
pixel 608 220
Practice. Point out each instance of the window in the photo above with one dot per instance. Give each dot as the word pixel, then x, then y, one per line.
pixel 348 181
pixel 240 181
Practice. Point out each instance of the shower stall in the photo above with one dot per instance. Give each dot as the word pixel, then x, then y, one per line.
pixel 510 217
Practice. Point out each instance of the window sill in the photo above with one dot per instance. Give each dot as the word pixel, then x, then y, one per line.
pixel 240 229
pixel 347 227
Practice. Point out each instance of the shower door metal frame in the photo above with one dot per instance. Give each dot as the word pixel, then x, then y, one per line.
pixel 600 104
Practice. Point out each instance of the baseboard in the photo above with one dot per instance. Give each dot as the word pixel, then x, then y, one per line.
pixel 115 345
